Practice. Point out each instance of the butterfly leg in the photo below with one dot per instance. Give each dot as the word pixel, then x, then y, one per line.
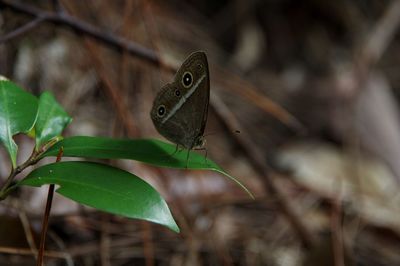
pixel 206 152
pixel 176 150
pixel 187 158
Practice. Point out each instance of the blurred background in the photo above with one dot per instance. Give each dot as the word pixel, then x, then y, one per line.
pixel 312 86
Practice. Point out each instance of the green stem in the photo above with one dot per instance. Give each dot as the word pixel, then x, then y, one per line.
pixel 33 159
pixel 7 188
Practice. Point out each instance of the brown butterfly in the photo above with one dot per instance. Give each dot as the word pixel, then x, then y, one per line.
pixel 180 108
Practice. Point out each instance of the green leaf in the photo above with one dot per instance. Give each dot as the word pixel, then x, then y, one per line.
pixel 149 151
pixel 105 188
pixel 18 111
pixel 51 120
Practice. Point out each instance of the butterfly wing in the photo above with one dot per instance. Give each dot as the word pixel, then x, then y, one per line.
pixel 180 109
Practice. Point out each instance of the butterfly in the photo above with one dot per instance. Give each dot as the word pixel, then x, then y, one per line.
pixel 180 109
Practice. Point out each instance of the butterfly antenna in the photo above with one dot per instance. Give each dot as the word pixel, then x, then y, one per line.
pixel 215 133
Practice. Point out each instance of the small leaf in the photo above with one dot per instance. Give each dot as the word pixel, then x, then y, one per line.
pixel 149 151
pixel 51 120
pixel 18 111
pixel 105 188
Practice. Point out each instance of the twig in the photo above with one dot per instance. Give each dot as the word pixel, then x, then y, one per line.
pixel 25 251
pixel 371 50
pixel 105 241
pixel 27 228
pixel 33 159
pixel 23 29
pixel 57 6
pixel 45 223
pixel 256 160
pixel 7 188
pixel 236 84
pixel 148 246
pixel 381 35
pixel 65 20
pixel 336 233
pixel 111 89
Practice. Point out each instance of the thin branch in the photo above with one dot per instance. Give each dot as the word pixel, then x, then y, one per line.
pixel 7 188
pixel 256 159
pixel 25 251
pixel 27 228
pixel 381 35
pixel 336 232
pixel 65 20
pixel 372 49
pixel 45 223
pixel 23 29
pixel 57 6
pixel 111 89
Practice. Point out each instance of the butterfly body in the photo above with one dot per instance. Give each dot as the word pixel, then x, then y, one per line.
pixel 180 108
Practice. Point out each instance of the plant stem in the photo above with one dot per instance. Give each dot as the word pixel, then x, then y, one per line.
pixel 7 188
pixel 47 215
pixel 33 159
